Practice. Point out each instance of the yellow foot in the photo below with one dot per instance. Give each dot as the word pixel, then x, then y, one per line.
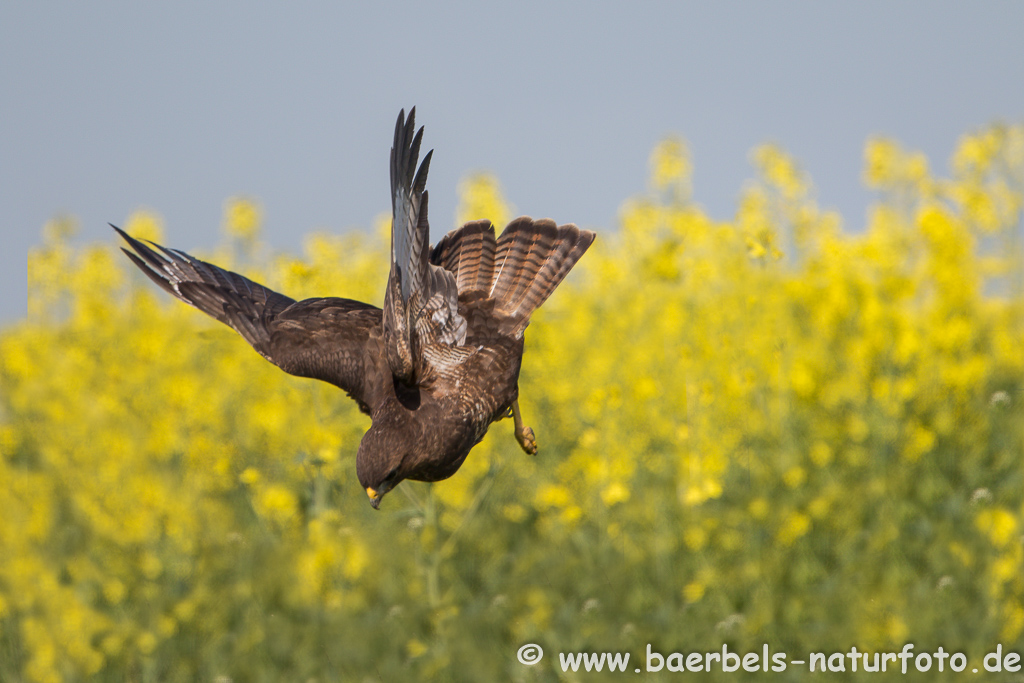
pixel 527 440
pixel 524 434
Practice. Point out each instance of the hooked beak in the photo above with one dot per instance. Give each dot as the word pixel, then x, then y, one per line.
pixel 375 497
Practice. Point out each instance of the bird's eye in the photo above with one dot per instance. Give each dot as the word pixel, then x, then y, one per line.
pixel 391 474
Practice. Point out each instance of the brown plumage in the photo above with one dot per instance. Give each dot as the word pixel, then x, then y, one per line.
pixel 433 368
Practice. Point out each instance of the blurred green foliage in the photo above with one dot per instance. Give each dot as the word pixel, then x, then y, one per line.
pixel 760 431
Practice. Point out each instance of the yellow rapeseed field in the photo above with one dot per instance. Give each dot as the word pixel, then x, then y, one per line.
pixel 769 430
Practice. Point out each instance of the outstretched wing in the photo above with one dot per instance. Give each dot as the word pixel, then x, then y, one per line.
pixel 421 306
pixel 325 339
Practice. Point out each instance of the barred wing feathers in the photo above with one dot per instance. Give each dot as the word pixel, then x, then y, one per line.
pixel 421 299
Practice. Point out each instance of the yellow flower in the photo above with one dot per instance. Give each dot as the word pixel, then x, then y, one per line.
pixel 552 496
pixel 145 225
pixel 416 648
pixel 896 629
pixel 695 537
pixel 1000 525
pixel 1014 621
pixel 919 442
pixel 60 229
pixel 277 503
pixel 881 159
pixel 670 163
pixel 480 197
pixel 794 525
pixel 514 512
pixel 113 590
pixel 146 642
pixel 615 492
pixel 780 171
pixel 821 453
pixel 242 218
pixel 693 591
pixel 250 476
pixel 795 476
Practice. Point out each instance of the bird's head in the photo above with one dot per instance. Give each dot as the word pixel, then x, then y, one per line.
pixel 379 462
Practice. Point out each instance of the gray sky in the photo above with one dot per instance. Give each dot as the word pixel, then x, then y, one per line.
pixel 109 107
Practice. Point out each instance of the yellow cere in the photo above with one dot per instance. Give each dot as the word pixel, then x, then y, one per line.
pixel 784 427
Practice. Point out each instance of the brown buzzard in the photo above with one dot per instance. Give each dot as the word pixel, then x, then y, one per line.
pixel 439 363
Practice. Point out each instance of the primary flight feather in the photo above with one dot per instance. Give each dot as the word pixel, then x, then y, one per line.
pixel 433 368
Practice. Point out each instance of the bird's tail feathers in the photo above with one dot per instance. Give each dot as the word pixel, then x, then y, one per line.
pixel 468 253
pixel 531 259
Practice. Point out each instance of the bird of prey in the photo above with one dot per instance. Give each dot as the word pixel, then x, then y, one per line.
pixel 439 363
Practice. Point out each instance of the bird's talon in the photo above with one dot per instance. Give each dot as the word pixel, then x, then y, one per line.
pixel 527 440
